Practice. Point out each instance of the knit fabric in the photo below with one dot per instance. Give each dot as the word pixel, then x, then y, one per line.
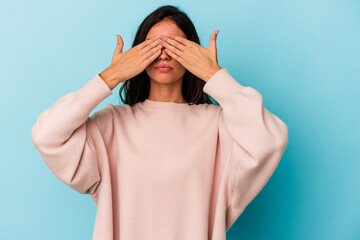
pixel 163 170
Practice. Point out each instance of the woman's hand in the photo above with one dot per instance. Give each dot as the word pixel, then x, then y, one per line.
pixel 125 65
pixel 200 61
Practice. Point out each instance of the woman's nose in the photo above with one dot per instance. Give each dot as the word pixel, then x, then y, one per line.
pixel 163 54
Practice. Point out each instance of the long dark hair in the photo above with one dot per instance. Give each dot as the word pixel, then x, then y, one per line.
pixel 137 88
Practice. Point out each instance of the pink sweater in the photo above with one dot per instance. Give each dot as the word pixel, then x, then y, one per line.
pixel 163 170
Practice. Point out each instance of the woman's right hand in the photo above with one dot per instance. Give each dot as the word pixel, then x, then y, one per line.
pixel 125 65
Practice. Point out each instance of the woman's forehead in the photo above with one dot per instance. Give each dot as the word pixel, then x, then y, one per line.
pixel 162 34
pixel 164 28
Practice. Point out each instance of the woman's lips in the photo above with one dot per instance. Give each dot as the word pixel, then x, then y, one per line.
pixel 163 69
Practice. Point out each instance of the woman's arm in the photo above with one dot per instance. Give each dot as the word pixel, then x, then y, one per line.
pixel 256 139
pixel 69 141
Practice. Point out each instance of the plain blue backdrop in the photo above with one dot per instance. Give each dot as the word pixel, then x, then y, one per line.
pixel 302 56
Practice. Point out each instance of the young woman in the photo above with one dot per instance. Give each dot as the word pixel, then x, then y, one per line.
pixel 168 164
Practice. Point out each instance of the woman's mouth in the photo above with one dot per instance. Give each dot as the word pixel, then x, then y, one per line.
pixel 163 69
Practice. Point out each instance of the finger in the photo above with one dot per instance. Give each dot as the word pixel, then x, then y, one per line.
pixel 152 57
pixel 213 37
pixel 173 55
pixel 119 45
pixel 153 51
pixel 175 43
pixel 181 40
pixel 150 46
pixel 145 43
pixel 173 49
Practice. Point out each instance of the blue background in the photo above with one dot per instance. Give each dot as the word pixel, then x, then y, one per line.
pixel 303 56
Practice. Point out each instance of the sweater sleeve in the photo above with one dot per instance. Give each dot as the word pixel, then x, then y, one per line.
pixel 69 141
pixel 255 139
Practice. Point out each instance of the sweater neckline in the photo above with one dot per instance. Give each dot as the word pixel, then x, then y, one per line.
pixel 151 104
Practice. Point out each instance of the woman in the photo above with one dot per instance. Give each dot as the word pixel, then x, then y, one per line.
pixel 168 164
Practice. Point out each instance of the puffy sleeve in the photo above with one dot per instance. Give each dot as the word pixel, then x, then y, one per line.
pixel 69 141
pixel 255 140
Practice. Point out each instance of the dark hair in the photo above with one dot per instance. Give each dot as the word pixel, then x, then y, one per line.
pixel 137 88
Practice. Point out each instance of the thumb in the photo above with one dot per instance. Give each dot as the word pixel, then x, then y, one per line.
pixel 119 45
pixel 213 37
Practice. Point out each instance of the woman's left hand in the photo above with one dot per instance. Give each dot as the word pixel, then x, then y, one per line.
pixel 200 61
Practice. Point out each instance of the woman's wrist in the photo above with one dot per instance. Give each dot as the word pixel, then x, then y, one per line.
pixel 212 72
pixel 109 78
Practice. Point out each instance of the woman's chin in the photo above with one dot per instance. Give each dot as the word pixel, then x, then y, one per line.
pixel 163 78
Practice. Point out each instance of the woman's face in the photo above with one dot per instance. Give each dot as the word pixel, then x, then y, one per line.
pixel 177 72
